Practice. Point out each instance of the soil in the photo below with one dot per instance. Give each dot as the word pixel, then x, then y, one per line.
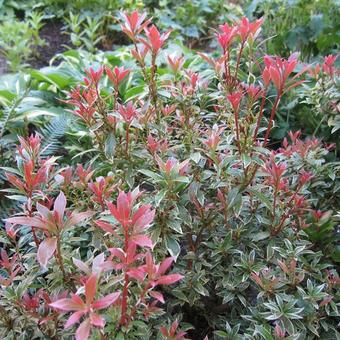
pixel 56 42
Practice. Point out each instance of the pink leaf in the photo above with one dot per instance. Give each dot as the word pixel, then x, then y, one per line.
pixel 43 211
pixel 81 265
pixel 97 263
pixel 67 305
pixel 74 318
pixel 169 279
pixel 123 206
pixel 143 221
pixel 140 212
pixel 117 252
pixel 97 320
pixel 46 250
pixel 142 241
pixel 60 205
pixel 105 226
pixel 78 217
pixel 83 330
pixel 31 221
pixel 158 296
pixel 106 301
pixel 136 274
pixel 165 265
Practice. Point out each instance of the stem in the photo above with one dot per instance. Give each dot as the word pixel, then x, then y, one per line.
pixel 272 115
pixel 318 126
pixel 260 116
pixel 237 131
pixel 60 258
pixel 100 142
pixel 127 139
pixel 123 317
pixel 274 202
pixel 153 87
pixel 36 241
pixel 238 63
pixel 277 230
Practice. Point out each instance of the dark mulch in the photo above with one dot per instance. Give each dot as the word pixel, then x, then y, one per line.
pixel 56 42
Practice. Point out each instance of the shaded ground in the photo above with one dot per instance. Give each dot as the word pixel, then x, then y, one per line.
pixel 56 43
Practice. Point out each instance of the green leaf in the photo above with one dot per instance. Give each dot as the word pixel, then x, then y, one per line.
pixel 262 235
pixel 53 76
pixel 175 225
pixel 110 146
pixel 172 246
pixel 198 287
pixel 151 174
pixel 263 198
pixel 159 197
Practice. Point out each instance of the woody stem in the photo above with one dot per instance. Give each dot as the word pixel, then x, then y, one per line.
pixel 127 139
pixel 123 318
pixel 272 115
pixel 60 258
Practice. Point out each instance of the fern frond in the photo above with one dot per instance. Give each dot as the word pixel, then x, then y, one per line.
pixel 54 133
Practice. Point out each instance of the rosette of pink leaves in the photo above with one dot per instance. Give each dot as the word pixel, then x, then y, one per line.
pixel 52 223
pixel 134 223
pixel 87 309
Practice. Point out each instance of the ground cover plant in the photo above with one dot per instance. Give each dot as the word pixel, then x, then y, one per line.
pixel 162 210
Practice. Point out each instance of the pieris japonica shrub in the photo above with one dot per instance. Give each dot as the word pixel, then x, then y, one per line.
pixel 182 221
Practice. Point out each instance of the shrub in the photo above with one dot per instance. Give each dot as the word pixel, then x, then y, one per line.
pixel 180 186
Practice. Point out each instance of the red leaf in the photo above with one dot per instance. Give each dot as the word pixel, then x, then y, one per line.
pixel 117 252
pixel 123 207
pixel 113 210
pixel 83 330
pixel 46 250
pixel 90 288
pixel 169 279
pixel 275 76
